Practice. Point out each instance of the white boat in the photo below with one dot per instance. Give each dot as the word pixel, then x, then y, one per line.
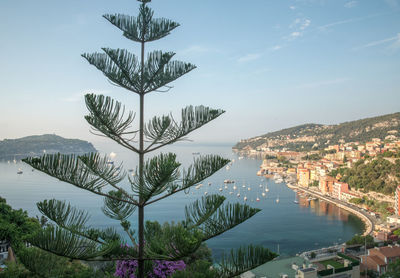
pixel 263 194
pixel 248 188
pixel 258 199
pixel 220 189
pixel 209 184
pixel 245 198
pixel 229 181
pixel 226 187
pixel 230 193
pixel 277 199
pixel 227 167
pixel 241 157
pixel 261 185
pixel 205 193
pixel 19 172
pixel 279 180
pixel 234 187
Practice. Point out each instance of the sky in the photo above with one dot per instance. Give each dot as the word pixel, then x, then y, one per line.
pixel 271 64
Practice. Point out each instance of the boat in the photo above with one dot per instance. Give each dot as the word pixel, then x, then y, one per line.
pixel 234 187
pixel 241 157
pixel 196 153
pixel 263 194
pixel 295 201
pixel 220 189
pixel 248 188
pixel 205 193
pixel 227 167
pixel 226 187
pixel 130 170
pixel 277 199
pixel 14 161
pixel 19 172
pixel 229 181
pixel 230 193
pixel 209 184
pixel 258 199
pixel 245 198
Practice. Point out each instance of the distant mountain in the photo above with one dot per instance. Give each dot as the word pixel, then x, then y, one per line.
pixel 317 136
pixel 39 144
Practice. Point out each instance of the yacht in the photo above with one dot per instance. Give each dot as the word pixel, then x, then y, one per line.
pixel 19 172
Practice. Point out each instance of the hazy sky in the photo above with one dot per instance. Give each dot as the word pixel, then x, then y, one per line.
pixel 270 64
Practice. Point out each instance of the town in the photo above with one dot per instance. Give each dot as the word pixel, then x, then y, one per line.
pixel 318 174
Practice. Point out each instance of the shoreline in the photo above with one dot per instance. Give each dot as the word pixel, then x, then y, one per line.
pixel 369 224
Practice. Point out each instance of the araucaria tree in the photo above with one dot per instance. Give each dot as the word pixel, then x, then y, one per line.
pixel 157 178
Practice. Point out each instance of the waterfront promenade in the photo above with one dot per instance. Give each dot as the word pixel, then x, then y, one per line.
pixel 368 220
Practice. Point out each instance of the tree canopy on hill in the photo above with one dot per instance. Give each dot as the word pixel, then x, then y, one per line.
pixel 378 175
pixel 361 130
pixel 51 143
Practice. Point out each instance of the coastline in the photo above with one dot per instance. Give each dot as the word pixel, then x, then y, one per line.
pixel 368 222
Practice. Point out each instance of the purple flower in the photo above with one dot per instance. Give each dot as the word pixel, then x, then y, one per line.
pixel 161 269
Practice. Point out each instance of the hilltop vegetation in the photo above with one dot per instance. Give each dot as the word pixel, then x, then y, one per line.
pixel 378 175
pixel 317 136
pixel 38 144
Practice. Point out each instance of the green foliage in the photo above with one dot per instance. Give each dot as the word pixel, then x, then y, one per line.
pixel 22 147
pixel 198 269
pixel 335 172
pixel 393 270
pixel 374 175
pixel 397 232
pixel 359 239
pixel 15 225
pixel 313 156
pixel 314 183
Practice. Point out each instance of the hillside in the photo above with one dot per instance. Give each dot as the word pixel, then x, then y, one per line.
pixel 317 136
pixel 38 144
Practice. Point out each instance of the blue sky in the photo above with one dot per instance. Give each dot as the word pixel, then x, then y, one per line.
pixel 269 64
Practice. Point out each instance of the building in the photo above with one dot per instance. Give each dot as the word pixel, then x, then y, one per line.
pixel 379 258
pixel 303 175
pixel 326 184
pixel 347 196
pixel 397 201
pixel 338 188
pixel 4 245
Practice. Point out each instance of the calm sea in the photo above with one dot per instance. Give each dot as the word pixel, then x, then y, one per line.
pixel 294 227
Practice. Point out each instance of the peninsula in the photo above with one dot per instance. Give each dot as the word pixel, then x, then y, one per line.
pixel 39 144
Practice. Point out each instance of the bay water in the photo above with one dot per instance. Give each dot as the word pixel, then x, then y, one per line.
pixel 293 227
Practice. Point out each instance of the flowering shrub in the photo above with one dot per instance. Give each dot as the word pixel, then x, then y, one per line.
pixel 161 269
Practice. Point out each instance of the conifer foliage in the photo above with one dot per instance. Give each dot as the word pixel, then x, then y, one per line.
pixel 156 178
